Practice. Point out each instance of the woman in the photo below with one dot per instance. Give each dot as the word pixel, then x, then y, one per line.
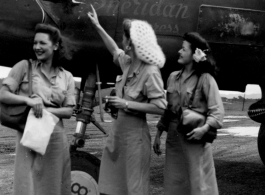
pixel 53 90
pixel 126 157
pixel 189 166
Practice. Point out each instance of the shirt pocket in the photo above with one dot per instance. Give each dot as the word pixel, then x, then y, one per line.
pixel 198 94
pixel 132 93
pixel 172 96
pixel 58 96
pixel 24 85
pixel 134 89
pixel 198 98
pixel 188 97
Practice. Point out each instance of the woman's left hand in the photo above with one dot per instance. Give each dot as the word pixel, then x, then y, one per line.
pixel 116 101
pixel 36 103
pixel 93 16
pixel 196 133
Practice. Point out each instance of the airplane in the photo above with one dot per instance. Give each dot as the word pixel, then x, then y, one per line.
pixel 235 30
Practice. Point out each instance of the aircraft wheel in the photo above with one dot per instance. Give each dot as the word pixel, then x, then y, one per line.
pixel 261 143
pixel 84 173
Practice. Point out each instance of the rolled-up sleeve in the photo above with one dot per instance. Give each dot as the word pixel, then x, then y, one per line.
pixel 70 94
pixel 15 76
pixel 154 89
pixel 164 121
pixel 121 59
pixel 215 106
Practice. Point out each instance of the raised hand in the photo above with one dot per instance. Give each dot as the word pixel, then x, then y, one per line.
pixel 93 16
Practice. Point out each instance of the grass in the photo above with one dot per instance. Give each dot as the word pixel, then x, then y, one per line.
pixel 238 166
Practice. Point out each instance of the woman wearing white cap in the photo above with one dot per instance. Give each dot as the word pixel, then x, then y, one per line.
pixel 126 158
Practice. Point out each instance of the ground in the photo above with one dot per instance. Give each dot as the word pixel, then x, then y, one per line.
pixel 238 166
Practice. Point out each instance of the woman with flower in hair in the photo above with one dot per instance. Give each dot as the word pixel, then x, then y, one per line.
pixel 126 158
pixel 189 166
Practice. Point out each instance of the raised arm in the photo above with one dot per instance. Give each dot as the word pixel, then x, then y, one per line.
pixel 108 41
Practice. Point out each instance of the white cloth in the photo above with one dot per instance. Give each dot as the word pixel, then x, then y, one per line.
pixel 145 43
pixel 38 131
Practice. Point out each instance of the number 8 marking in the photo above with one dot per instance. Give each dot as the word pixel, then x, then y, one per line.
pixel 79 190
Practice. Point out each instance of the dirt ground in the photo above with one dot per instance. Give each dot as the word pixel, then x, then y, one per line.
pixel 238 166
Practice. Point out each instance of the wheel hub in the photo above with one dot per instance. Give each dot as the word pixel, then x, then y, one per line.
pixel 83 184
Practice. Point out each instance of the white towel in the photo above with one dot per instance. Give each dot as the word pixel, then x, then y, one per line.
pixel 38 131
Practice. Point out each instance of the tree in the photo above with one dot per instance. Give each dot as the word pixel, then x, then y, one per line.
pixel 240 98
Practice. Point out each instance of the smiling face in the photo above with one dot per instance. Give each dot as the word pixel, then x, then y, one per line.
pixel 43 47
pixel 185 54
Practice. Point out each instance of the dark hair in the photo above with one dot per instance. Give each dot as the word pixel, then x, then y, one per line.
pixel 126 28
pixel 197 41
pixel 64 50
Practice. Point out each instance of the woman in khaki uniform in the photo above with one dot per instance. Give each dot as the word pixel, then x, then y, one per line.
pixel 126 158
pixel 53 90
pixel 189 166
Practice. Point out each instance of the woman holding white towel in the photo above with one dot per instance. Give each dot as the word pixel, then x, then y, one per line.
pixel 53 90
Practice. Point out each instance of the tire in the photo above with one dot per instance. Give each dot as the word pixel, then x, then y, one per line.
pixel 261 143
pixel 84 173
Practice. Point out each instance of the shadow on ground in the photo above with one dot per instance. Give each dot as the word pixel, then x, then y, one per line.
pixel 240 178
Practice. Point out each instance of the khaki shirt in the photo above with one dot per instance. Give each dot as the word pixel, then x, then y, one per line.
pixel 58 91
pixel 145 84
pixel 207 99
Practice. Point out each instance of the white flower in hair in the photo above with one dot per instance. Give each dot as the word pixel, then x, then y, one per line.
pixel 199 55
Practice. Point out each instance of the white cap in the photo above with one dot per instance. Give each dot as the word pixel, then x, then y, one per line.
pixel 146 47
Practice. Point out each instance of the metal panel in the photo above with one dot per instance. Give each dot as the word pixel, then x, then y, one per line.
pixel 72 18
pixel 232 25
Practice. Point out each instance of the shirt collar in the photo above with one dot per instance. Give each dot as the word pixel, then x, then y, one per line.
pixel 59 68
pixel 137 70
pixel 180 73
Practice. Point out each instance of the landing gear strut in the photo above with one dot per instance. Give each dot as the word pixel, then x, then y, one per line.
pixel 85 166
